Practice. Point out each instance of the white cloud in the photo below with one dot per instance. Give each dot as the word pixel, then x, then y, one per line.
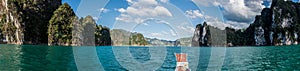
pixel 184 28
pixel 152 20
pixel 103 10
pixel 173 33
pixel 223 24
pixel 236 10
pixel 121 10
pixel 164 1
pixel 139 11
pixel 162 11
pixel 213 21
pixel 237 25
pixel 194 14
pixel 242 11
pixel 145 24
pixel 162 22
pixel 164 32
pixel 129 1
pixel 96 18
pixel 156 34
pixel 238 13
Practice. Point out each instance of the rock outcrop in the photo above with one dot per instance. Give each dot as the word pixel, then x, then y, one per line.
pixel 19 20
pixel 103 37
pixel 200 36
pixel 207 35
pixel 87 33
pixel 122 37
pixel 197 36
pixel 47 22
pixel 278 25
pixel 137 39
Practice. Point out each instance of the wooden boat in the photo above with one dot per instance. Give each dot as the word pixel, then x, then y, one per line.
pixel 181 62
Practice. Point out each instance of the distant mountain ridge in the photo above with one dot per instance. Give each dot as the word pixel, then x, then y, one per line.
pixel 122 37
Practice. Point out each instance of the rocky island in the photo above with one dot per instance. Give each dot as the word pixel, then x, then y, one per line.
pixel 277 25
pixel 47 22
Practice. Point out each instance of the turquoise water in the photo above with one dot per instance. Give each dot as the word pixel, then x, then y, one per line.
pixel 58 58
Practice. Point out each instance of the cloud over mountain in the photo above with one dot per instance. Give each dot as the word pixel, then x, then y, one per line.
pixel 236 10
pixel 140 10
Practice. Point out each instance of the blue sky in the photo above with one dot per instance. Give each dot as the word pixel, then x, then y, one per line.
pixel 168 19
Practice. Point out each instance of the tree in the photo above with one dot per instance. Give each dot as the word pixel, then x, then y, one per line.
pixel 137 39
pixel 61 26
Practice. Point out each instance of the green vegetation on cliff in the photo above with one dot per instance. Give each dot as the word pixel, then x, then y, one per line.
pixel 122 37
pixel 94 34
pixel 60 26
pixel 102 35
pixel 137 39
pixel 278 25
pixel 43 21
pixel 20 18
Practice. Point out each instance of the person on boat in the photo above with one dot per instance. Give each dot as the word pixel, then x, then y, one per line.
pixel 181 62
pixel 181 68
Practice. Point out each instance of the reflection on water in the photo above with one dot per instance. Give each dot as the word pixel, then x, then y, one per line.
pixel 58 58
pixel 36 58
pixel 10 57
pixel 286 58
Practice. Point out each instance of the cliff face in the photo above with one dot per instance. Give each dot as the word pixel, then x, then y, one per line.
pixel 137 39
pixel 102 34
pixel 207 35
pixel 19 20
pixel 47 22
pixel 197 36
pixel 120 37
pixel 87 33
pixel 278 25
pixel 200 37
pixel 262 28
pixel 103 39
pixel 286 22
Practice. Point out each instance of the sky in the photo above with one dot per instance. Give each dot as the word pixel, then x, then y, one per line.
pixel 169 19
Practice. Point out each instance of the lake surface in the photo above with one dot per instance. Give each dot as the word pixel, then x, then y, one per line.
pixel 59 58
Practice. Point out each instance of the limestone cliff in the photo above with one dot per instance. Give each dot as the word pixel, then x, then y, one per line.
pixel 20 18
